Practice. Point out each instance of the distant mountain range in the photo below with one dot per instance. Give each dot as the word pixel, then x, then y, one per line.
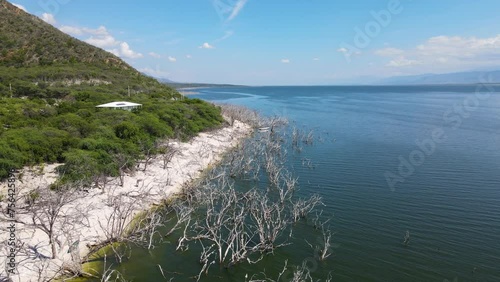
pixel 178 85
pixel 470 77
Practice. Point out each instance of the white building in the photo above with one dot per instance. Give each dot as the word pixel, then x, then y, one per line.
pixel 120 105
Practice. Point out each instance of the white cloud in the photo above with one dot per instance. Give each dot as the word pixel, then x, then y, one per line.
pixel 285 61
pixel 49 18
pixel 172 59
pixel 315 59
pixel 189 56
pixel 74 30
pixel 71 30
pixel 102 41
pixel 115 52
pixel 402 62
pixel 237 9
pixel 342 50
pixel 154 55
pixel 102 38
pixel 20 7
pixel 460 46
pixel 99 37
pixel 388 52
pixel 447 53
pixel 206 46
pixel 345 51
pixel 101 30
pixel 125 51
pixel 442 60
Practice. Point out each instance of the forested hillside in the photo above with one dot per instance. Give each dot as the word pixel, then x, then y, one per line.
pixel 38 60
pixel 50 84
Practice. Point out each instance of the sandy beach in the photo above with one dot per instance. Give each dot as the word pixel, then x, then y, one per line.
pixel 95 208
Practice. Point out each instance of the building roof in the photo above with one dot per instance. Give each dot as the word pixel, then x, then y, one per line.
pixel 118 105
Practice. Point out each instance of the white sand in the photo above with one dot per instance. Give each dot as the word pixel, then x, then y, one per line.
pixel 154 184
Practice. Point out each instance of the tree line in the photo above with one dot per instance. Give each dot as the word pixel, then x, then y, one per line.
pixel 93 141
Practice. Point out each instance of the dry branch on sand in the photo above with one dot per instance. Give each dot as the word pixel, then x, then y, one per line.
pixel 108 210
pixel 232 225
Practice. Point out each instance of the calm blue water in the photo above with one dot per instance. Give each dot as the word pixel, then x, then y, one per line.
pixel 445 191
pixel 447 195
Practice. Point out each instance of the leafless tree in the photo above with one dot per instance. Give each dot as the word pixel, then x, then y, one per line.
pixel 292 274
pixel 243 114
pixel 244 225
pixel 120 229
pixel 323 250
pixel 115 227
pixel 300 137
pixel 145 231
pixel 149 150
pixel 406 241
pixel 303 207
pixel 108 274
pixel 167 152
pixel 123 162
pixel 48 212
pixel 182 213
pixel 233 225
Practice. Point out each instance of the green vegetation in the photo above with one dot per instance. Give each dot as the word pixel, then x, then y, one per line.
pixel 26 40
pixel 38 60
pixel 88 139
pixel 50 84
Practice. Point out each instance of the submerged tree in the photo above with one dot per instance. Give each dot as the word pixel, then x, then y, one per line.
pixel 231 224
pixel 235 225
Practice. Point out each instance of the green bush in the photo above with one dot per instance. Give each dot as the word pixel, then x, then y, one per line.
pixel 5 166
pixel 127 130
pixel 74 131
pixel 80 165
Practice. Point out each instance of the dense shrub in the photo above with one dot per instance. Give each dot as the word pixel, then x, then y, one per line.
pixel 50 84
pixel 86 138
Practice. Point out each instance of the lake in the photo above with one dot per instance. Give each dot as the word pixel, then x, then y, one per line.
pixel 422 159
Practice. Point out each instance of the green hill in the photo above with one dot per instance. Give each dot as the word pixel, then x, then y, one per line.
pixel 26 40
pixel 50 84
pixel 34 53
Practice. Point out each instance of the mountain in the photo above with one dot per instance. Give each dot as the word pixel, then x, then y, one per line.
pixel 165 80
pixel 50 85
pixel 470 77
pixel 26 40
pixel 180 85
pixel 37 59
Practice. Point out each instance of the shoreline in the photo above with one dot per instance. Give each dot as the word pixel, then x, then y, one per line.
pixel 186 91
pixel 141 190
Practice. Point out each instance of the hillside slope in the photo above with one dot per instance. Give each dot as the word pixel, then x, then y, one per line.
pixel 50 85
pixel 26 40
pixel 38 60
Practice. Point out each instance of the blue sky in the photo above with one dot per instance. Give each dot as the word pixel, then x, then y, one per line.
pixel 277 42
